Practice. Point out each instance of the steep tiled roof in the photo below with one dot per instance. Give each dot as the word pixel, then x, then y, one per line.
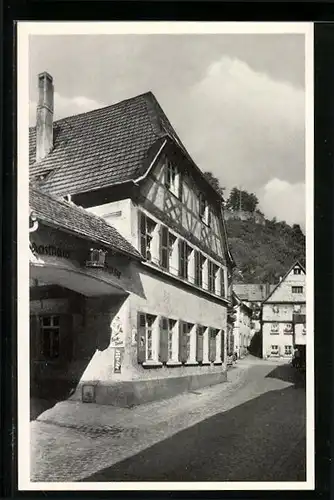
pixel 77 220
pixel 102 147
pixel 253 292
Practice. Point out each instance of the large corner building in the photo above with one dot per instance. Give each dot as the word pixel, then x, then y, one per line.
pixel 130 267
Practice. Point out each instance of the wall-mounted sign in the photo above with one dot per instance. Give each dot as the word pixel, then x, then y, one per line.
pixel 117 333
pixel 50 250
pixel 118 361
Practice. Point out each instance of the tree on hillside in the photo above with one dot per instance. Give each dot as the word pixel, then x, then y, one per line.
pixel 242 200
pixel 214 181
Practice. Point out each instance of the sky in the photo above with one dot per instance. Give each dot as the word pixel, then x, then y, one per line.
pixel 235 100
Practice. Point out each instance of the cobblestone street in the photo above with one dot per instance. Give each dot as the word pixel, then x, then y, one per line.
pixel 73 441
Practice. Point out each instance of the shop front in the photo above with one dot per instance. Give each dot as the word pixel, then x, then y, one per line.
pixel 74 296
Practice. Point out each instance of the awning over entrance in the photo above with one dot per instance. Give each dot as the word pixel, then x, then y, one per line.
pixel 89 282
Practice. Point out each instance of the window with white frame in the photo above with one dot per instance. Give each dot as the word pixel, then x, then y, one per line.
pixel 173 179
pixel 146 336
pixel 274 328
pixel 204 210
pixel 50 337
pixel 288 350
pixel 212 275
pixel 147 227
pixel 288 329
pixel 274 350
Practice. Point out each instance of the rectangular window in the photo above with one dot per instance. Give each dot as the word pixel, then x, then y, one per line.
pixel 202 206
pixel 184 252
pixel 50 337
pixel 147 227
pixel 146 323
pixel 204 210
pixel 199 261
pixel 274 350
pixel 173 179
pixel 212 272
pixel 297 270
pixel 297 289
pixel 274 330
pixel 186 340
pixel 288 329
pixel 288 350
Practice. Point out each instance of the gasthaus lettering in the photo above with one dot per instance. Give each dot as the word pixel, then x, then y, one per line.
pixel 51 250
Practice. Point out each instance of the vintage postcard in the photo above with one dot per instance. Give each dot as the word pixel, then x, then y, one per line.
pixel 165 266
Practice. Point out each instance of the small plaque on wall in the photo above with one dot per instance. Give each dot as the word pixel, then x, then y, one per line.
pixel 118 361
pixel 88 394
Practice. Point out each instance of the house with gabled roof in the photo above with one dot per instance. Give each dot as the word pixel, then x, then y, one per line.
pixel 279 310
pixel 166 331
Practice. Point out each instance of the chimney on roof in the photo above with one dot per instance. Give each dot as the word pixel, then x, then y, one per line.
pixel 44 116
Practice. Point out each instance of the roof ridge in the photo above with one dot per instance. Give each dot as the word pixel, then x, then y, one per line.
pixel 105 107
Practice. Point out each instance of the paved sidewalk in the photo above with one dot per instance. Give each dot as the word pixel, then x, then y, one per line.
pixel 73 440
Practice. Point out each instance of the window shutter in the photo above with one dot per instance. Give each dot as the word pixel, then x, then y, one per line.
pixel 163 352
pixel 164 255
pixel 141 338
pixel 222 334
pixel 143 242
pixel 199 344
pixel 222 282
pixel 182 343
pixel 212 345
pixel 181 257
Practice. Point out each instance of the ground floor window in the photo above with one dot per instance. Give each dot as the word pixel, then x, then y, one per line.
pixel 146 349
pixel 275 350
pixel 50 337
pixel 288 350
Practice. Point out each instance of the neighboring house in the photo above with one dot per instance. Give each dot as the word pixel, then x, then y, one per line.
pixel 286 300
pixel 242 330
pixel 253 294
pixel 167 321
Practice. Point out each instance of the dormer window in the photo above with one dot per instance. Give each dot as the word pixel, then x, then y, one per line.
pixel 173 179
pixel 97 258
pixel 297 270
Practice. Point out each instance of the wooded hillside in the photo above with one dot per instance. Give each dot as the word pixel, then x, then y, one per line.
pixel 263 253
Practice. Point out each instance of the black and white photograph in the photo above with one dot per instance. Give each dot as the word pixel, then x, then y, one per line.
pixel 165 265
